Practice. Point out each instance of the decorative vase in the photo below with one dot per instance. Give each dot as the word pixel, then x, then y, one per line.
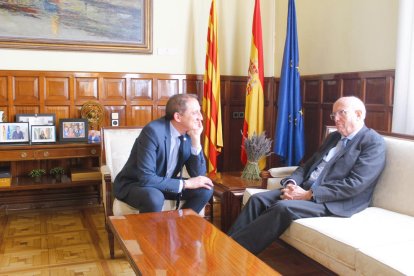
pixel 37 179
pixel 251 171
pixel 58 178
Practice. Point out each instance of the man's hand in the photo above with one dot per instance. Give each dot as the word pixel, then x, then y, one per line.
pixel 195 134
pixel 295 192
pixel 198 182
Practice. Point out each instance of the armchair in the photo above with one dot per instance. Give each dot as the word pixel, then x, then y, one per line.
pixel 116 146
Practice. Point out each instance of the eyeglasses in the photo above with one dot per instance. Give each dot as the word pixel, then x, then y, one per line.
pixel 341 113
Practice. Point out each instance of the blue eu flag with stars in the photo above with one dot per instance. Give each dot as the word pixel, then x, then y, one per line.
pixel 289 135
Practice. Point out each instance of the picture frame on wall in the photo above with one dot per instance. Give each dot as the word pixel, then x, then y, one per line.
pixel 43 134
pixel 37 119
pixel 109 26
pixel 14 133
pixel 73 130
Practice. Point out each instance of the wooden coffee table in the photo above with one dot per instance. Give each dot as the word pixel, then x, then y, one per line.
pixel 229 187
pixel 182 243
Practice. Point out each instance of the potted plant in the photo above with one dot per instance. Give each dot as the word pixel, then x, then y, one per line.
pixel 57 172
pixel 36 174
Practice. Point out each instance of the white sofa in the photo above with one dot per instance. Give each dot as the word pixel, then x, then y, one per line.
pixel 377 241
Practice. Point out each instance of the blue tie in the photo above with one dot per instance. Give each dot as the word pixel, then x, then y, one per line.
pixel 344 142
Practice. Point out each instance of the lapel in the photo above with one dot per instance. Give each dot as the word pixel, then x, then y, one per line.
pixel 167 144
pixel 350 144
pixel 331 142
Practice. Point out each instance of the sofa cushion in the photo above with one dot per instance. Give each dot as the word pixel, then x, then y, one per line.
pixel 394 188
pixel 341 238
pixel 389 259
pixel 118 145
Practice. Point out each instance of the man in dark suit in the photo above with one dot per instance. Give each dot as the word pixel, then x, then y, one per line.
pixel 338 180
pixel 153 170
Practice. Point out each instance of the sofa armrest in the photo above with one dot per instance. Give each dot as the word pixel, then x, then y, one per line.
pixel 272 177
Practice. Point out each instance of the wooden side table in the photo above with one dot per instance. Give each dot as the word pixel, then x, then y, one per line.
pixel 229 187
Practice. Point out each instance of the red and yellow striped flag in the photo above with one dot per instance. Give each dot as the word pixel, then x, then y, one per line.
pixel 213 140
pixel 253 114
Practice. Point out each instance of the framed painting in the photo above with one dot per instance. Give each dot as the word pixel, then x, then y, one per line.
pixel 73 130
pixel 43 134
pixel 36 119
pixel 14 133
pixel 113 26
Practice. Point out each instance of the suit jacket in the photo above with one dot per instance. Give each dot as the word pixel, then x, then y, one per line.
pixel 348 180
pixel 147 163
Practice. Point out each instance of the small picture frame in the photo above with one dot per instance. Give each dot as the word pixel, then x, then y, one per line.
pixel 94 136
pixel 14 133
pixel 36 119
pixel 43 134
pixel 73 130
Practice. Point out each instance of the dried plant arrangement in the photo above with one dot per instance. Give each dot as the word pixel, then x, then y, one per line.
pixel 257 147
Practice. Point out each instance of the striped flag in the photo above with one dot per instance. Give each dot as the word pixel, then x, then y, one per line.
pixel 289 134
pixel 253 119
pixel 213 140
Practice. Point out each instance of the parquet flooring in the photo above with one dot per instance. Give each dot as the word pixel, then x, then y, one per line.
pixel 74 241
pixel 58 242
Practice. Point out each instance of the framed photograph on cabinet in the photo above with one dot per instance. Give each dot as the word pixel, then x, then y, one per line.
pixel 43 134
pixel 36 119
pixel 14 133
pixel 73 130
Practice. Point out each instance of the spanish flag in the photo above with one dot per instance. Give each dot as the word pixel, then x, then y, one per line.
pixel 253 114
pixel 213 140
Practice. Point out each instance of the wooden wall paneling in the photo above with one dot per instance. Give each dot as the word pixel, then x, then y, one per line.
pixel 140 98
pixel 235 105
pixel 4 97
pixel 141 90
pixel 86 89
pixel 113 90
pixel 56 90
pixel 352 87
pixel 26 90
pixel 22 109
pixel 331 90
pixel 121 110
pixel 141 115
pixel 3 90
pixel 312 128
pixel 375 91
pixel 269 122
pixel 194 84
pixel 378 118
pixel 312 90
pixel 160 111
pixel 167 88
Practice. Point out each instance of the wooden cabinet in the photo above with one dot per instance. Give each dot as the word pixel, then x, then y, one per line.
pixel 25 193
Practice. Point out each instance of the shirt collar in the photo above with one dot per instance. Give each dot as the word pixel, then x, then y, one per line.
pixel 352 135
pixel 174 132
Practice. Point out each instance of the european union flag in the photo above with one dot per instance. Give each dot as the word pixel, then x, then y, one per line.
pixel 289 135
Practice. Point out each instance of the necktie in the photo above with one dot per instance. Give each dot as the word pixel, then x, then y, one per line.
pixel 312 180
pixel 344 142
pixel 180 164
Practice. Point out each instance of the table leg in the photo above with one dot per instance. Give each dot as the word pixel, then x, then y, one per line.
pixel 230 208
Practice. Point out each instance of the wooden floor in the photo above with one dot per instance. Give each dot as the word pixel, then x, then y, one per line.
pixel 68 241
